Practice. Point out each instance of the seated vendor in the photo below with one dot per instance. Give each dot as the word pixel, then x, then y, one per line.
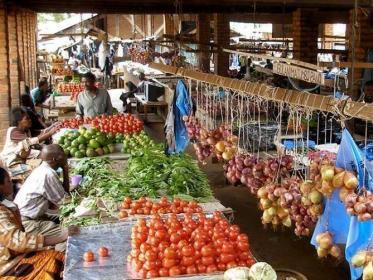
pixel 14 239
pixel 18 151
pixel 42 191
pixel 93 101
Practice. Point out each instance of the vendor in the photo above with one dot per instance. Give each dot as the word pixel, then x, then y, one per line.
pixel 40 195
pixel 19 155
pixel 93 101
pixel 16 240
pixel 39 94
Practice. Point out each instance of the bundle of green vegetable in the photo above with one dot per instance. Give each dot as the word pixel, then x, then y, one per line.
pixel 152 173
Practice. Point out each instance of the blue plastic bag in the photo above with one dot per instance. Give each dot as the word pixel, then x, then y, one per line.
pixel 350 158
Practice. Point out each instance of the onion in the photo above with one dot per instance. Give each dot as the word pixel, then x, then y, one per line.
pixel 368 271
pixel 338 180
pixel 350 181
pixel 220 146
pixel 315 197
pixel 369 206
pixel 266 217
pixel 364 217
pixel 359 259
pixel 306 201
pixel 282 214
pixel 336 252
pixel 306 186
pixel 322 253
pixel 262 192
pixel 287 222
pixel 246 171
pixel 344 193
pixel 325 240
pixel 277 192
pixel 265 203
pixel 360 208
pixel 327 173
pixel 272 211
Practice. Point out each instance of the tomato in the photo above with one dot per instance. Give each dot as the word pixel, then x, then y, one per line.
pixel 88 256
pixel 169 253
pixel 211 268
pixel 142 273
pixel 168 263
pixel 221 266
pixel 233 235
pixel 198 244
pixel 231 264
pixel 145 247
pixel 226 258
pixel 187 261
pixel 149 265
pixel 175 238
pixel 182 243
pixel 227 247
pixel 244 256
pixel 152 274
pixel 135 252
pixel 207 251
pixel 162 246
pixel 242 237
pixel 234 228
pixel 163 272
pixel 191 269
pixel 150 255
pixel 243 246
pixel 154 241
pixel 122 214
pixel 223 224
pixel 174 271
pixel 207 260
pixel 187 250
pixel 103 252
pixel 125 205
pixel 127 200
pixel 201 268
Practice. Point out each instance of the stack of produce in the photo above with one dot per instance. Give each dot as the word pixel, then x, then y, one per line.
pixel 327 247
pixel 86 142
pixel 72 88
pixel 360 205
pixel 254 173
pixel 193 127
pixel 116 124
pixel 273 212
pixel 173 247
pixel 137 142
pixel 364 259
pixel 147 206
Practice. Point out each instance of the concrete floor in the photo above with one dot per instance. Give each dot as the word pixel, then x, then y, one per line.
pixel 281 248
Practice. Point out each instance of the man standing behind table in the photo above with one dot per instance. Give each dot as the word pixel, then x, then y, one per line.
pixel 43 191
pixel 93 101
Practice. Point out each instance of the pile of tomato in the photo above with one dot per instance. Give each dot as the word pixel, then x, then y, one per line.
pixel 146 206
pixel 172 247
pixel 121 123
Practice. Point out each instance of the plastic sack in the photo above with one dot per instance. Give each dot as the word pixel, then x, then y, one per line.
pixel 359 234
pixel 181 107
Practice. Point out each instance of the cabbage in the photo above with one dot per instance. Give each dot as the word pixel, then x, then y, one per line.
pixel 237 273
pixel 262 271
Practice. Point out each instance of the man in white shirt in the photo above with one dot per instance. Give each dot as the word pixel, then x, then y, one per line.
pixel 43 189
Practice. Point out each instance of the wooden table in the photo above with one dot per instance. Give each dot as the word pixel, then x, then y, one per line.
pixel 148 104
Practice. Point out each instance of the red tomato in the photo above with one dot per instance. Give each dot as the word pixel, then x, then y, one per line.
pixel 227 247
pixel 231 264
pixel 150 255
pixel 191 269
pixel 168 263
pixel 243 246
pixel 169 253
pixel 175 238
pixel 174 271
pixel 198 244
pixel 242 237
pixel 187 250
pixel 103 252
pixel 211 268
pixel 226 258
pixel 221 266
pixel 163 272
pixel 201 268
pixel 88 256
pixel 187 261
pixel 207 251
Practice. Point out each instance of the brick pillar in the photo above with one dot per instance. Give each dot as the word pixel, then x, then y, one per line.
pixel 203 37
pixel 305 34
pixel 221 38
pixel 4 75
pixel 358 46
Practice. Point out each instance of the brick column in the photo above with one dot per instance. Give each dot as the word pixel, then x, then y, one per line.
pixel 358 46
pixel 221 38
pixel 305 34
pixel 203 37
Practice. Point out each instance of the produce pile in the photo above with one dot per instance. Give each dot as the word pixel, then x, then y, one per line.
pixel 360 205
pixel 116 124
pixel 87 143
pixel 173 247
pixel 364 259
pixel 137 142
pixel 150 173
pixel 147 206
pixel 73 88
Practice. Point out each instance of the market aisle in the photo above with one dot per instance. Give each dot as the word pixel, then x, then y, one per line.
pixel 281 249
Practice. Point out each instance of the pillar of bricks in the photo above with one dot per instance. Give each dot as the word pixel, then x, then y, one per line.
pixel 305 35
pixel 359 45
pixel 221 38
pixel 203 37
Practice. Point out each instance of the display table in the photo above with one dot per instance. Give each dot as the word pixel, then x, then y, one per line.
pixel 140 100
pixel 117 238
